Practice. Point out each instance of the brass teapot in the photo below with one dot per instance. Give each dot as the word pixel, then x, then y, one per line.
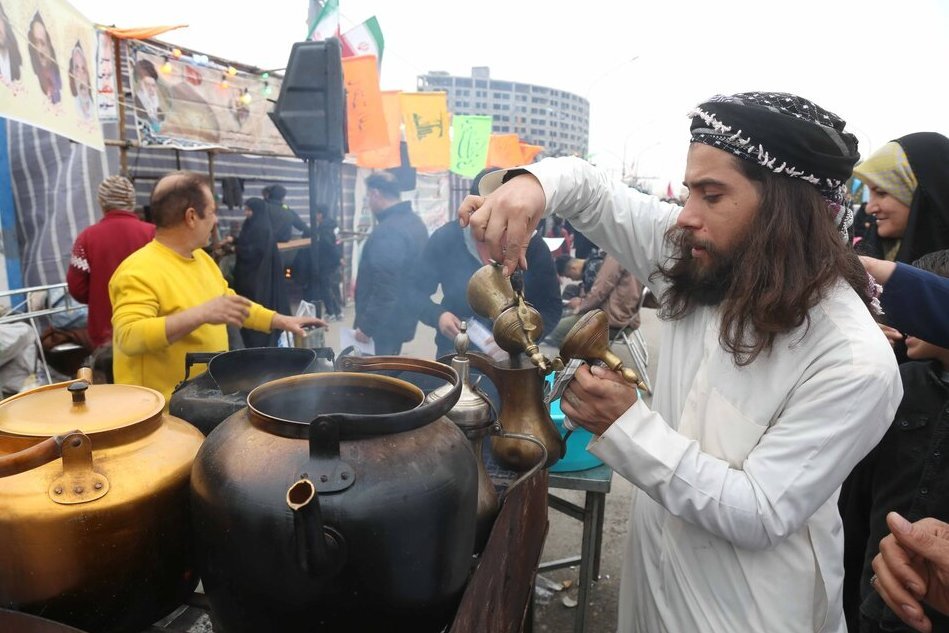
pixel 589 339
pixel 517 325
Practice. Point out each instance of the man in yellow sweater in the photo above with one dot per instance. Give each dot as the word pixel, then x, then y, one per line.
pixel 170 298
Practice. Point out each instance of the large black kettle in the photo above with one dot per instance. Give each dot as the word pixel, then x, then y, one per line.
pixel 337 502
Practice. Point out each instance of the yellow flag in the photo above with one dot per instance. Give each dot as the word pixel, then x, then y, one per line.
pixel 388 156
pixel 425 115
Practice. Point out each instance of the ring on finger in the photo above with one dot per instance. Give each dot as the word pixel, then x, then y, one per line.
pixel 873 580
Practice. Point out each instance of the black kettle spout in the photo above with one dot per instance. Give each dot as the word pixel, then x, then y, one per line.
pixel 319 548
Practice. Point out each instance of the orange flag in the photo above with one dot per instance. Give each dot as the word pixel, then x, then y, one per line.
pixel 505 151
pixel 425 115
pixel 141 33
pixel 529 152
pixel 388 156
pixel 365 119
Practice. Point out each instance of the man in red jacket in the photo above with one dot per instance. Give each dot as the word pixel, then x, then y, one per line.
pixel 100 249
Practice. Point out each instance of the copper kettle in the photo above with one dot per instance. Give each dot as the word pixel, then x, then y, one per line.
pixel 96 521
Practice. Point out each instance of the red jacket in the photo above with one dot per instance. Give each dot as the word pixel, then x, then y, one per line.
pixel 98 251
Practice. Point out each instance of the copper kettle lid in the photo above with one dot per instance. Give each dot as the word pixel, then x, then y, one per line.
pixel 67 406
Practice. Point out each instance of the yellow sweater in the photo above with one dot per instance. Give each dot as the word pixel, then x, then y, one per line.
pixel 150 284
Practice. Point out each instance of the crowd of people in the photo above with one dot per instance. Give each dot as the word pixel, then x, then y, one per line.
pixel 789 470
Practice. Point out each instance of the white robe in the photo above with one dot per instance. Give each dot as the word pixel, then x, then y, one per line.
pixel 734 525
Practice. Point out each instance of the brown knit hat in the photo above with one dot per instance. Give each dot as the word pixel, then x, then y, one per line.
pixel 116 192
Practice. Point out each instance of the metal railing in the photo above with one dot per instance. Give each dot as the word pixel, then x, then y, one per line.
pixel 15 315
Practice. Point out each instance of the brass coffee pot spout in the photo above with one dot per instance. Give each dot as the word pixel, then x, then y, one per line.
pixel 517 325
pixel 588 340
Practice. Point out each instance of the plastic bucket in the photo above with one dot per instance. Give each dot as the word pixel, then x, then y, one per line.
pixel 577 457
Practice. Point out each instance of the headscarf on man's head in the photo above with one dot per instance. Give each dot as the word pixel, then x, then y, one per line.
pixel 116 192
pixel 783 132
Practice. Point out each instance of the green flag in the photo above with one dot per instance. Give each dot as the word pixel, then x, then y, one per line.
pixel 470 135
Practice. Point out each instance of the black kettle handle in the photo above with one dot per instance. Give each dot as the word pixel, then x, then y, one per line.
pixel 432 410
pixel 197 358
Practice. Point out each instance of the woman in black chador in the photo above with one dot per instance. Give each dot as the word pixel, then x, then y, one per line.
pixel 258 271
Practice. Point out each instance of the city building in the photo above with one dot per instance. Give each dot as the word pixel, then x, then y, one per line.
pixel 557 120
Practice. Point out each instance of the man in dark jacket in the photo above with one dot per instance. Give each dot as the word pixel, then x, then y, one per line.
pixel 284 218
pixel 452 256
pixel 384 310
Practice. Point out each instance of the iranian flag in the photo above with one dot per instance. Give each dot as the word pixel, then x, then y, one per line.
pixel 364 39
pixel 326 24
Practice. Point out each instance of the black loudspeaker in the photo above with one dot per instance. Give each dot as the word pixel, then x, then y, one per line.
pixel 311 109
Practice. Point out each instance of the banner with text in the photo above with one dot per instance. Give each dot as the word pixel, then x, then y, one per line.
pixel 470 135
pixel 365 118
pixel 105 77
pixel 45 61
pixel 388 156
pixel 425 115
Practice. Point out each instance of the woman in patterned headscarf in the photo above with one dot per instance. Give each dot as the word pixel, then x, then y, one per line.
pixel 909 197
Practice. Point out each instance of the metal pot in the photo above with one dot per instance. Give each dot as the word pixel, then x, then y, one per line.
pixel 94 491
pixel 210 397
pixel 337 502
pixel 17 622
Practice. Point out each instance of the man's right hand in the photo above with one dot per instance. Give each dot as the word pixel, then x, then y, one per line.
pixel 449 325
pixel 913 566
pixel 506 218
pixel 233 309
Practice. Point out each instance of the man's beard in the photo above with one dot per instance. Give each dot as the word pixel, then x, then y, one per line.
pixel 703 283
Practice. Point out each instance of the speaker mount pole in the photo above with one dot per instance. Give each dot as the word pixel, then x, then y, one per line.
pixel 323 178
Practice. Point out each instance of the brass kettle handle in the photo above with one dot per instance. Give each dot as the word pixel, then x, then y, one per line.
pixel 33 457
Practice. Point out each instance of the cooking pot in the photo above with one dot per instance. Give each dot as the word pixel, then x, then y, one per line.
pixel 337 502
pixel 94 490
pixel 16 622
pixel 209 398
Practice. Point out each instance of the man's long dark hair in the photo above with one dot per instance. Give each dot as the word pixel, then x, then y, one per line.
pixel 790 257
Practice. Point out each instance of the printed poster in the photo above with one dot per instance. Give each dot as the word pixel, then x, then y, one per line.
pixel 192 102
pixel 47 57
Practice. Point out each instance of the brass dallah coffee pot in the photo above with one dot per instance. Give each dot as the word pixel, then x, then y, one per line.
pixel 517 325
pixel 588 340
pixel 475 416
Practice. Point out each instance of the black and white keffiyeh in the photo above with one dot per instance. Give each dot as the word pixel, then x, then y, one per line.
pixel 783 132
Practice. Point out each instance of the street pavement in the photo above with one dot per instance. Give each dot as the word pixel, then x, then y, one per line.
pixel 553 612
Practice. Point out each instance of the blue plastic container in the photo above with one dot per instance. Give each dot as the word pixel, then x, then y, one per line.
pixel 577 457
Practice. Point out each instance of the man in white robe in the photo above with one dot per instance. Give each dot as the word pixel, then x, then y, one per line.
pixel 773 378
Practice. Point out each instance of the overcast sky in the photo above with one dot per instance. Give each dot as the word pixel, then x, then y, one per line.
pixel 642 64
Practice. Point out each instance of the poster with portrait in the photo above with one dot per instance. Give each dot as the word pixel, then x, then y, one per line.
pixel 192 102
pixel 47 53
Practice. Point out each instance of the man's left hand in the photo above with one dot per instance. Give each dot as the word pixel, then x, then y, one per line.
pixel 295 324
pixel 361 336
pixel 596 397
